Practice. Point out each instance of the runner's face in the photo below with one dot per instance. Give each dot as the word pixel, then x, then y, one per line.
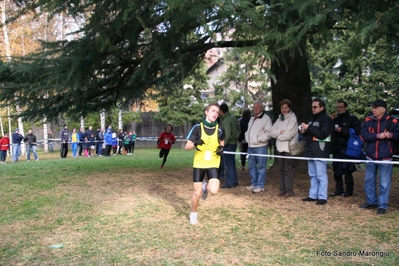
pixel 212 114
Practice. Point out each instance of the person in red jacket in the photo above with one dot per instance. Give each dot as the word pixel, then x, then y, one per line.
pixel 4 147
pixel 165 141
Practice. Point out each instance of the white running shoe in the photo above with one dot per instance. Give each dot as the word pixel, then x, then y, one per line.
pixel 250 188
pixel 257 190
pixel 193 218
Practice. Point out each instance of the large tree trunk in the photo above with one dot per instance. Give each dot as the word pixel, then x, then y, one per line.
pixel 291 71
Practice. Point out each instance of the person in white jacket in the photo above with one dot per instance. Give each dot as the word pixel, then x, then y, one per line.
pixel 285 131
pixel 257 136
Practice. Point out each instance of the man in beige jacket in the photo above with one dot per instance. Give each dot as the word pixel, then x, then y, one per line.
pixel 257 136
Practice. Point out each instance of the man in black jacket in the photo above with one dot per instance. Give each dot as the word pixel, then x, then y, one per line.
pixel 318 145
pixel 343 122
pixel 31 142
pixel 82 135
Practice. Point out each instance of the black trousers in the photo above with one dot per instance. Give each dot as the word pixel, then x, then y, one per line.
pixel 64 150
pixel 339 184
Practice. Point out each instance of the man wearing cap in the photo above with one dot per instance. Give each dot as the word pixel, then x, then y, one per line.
pixel 379 142
pixel 64 136
pixel 16 145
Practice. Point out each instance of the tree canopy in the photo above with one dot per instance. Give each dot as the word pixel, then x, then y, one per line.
pixel 127 47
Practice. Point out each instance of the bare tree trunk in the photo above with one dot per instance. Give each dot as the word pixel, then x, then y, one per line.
pixel 82 122
pixel 5 30
pixel 120 123
pixel 102 119
pixel 292 82
pixel 45 136
pixel 1 124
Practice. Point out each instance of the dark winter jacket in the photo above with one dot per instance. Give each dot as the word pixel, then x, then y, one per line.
pixel 340 139
pixel 30 139
pixel 379 149
pixel 64 135
pixel 318 136
pixel 243 128
pixel 17 138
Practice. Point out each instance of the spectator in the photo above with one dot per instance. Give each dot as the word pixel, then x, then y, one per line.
pixel 31 142
pixel 285 131
pixel 257 137
pixel 207 139
pixel 64 135
pixel 231 134
pixel 50 141
pixel 90 138
pixel 378 136
pixel 121 136
pixel 74 142
pixel 114 142
pixel 246 116
pixel 16 145
pixel 127 143
pixel 4 147
pixel 82 135
pixel 99 141
pixel 108 141
pixel 86 146
pixel 318 145
pixel 343 121
pixel 133 143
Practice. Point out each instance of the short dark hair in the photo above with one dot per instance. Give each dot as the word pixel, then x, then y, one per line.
pixel 224 108
pixel 342 101
pixel 320 101
pixel 246 113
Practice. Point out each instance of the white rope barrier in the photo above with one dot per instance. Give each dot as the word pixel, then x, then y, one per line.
pixel 41 142
pixel 313 159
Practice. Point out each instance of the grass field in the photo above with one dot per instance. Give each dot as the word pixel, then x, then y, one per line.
pixel 125 210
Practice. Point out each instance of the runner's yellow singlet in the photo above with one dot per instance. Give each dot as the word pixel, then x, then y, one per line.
pixel 206 156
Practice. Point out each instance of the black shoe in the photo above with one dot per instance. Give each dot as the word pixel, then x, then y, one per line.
pixel 336 193
pixel 226 186
pixel 321 202
pixel 235 185
pixel 347 194
pixel 381 211
pixel 308 199
pixel 368 206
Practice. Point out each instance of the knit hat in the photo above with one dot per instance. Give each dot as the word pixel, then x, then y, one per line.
pixel 17 129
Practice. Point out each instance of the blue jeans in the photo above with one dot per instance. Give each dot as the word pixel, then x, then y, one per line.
pixel 257 166
pixel 99 147
pixel 3 156
pixel 33 149
pixel 16 151
pixel 370 184
pixel 318 179
pixel 230 165
pixel 74 146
